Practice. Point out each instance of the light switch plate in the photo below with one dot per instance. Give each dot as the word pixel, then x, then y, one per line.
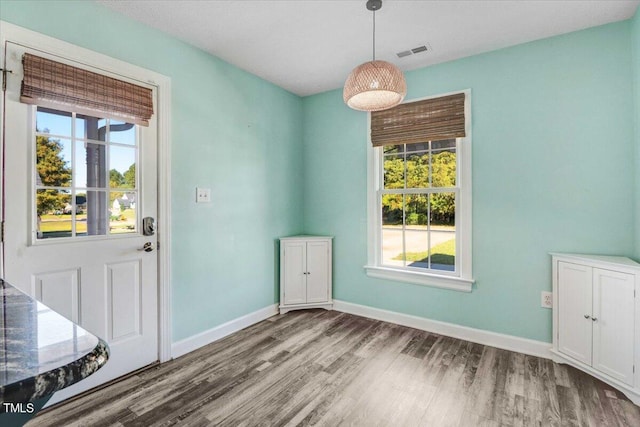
pixel 203 195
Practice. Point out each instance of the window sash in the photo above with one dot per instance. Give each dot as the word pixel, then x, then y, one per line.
pixel 425 190
pixel 456 272
pixel 381 191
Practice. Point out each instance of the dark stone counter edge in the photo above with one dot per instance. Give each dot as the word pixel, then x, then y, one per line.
pixel 47 383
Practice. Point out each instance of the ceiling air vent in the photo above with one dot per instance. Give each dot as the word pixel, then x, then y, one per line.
pixel 424 48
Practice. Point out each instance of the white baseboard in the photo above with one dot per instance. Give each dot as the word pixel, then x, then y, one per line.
pixel 492 339
pixel 194 342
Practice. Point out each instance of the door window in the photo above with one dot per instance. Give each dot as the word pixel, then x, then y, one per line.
pixel 86 178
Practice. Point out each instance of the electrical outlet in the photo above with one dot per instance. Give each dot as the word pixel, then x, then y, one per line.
pixel 547 300
pixel 203 195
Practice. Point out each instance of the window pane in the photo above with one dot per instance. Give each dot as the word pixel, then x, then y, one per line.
pixel 443 231
pixel 123 218
pixel 53 162
pixel 393 171
pixel 54 209
pixel 89 127
pixel 123 167
pixel 443 168
pixel 418 170
pixel 81 213
pixel 393 149
pixel 443 144
pixel 392 230
pixel 53 122
pixel 414 148
pixel 416 231
pixel 97 214
pixel 122 133
pixel 91 160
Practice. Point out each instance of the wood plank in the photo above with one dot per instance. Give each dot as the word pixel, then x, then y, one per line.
pixel 317 367
pixel 585 387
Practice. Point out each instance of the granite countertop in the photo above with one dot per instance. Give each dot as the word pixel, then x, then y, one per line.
pixel 41 352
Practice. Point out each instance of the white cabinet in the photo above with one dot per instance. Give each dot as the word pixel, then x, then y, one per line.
pixel 596 318
pixel 305 273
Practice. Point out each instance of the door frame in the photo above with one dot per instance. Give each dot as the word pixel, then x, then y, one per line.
pixel 37 41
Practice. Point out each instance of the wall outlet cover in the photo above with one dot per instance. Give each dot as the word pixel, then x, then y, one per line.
pixel 203 195
pixel 546 300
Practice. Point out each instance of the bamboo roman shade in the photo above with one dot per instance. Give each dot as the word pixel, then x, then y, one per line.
pixel 60 86
pixel 421 121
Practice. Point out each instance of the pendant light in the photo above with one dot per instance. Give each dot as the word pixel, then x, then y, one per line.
pixel 374 85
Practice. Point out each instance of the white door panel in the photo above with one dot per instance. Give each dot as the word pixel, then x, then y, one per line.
pixel 123 300
pixel 103 282
pixel 318 271
pixel 613 326
pixel 60 291
pixel 295 290
pixel 574 300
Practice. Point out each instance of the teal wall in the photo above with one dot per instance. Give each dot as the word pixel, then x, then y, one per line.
pixel 635 41
pixel 553 170
pixel 232 132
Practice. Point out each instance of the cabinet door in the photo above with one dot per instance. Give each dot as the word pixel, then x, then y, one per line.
pixel 613 326
pixel 574 303
pixel 318 271
pixel 295 290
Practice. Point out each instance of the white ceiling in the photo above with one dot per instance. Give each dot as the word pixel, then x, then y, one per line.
pixel 310 46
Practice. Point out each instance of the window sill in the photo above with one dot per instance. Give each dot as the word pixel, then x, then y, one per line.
pixel 433 280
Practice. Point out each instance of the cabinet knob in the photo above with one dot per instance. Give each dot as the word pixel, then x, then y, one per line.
pixel 594 319
pixel 586 316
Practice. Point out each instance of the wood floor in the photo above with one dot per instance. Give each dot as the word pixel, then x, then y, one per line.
pixel 328 368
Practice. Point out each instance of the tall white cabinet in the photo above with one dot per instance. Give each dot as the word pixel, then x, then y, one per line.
pixel 596 318
pixel 305 273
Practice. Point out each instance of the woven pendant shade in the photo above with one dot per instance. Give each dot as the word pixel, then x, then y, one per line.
pixel 374 86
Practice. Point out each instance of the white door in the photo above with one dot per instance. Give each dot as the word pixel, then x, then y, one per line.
pixel 574 310
pixel 317 271
pixel 76 189
pixel 613 323
pixel 295 268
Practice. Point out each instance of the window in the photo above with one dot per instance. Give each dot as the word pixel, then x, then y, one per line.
pixel 85 175
pixel 86 140
pixel 420 193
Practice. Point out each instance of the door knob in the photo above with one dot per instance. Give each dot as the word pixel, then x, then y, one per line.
pixel 148 247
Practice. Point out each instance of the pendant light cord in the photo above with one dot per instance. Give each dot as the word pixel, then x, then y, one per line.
pixel 374 35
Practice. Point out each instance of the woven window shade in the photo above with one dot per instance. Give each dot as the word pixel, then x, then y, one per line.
pixel 60 86
pixel 421 121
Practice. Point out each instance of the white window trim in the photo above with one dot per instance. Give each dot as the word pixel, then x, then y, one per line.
pixel 463 281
